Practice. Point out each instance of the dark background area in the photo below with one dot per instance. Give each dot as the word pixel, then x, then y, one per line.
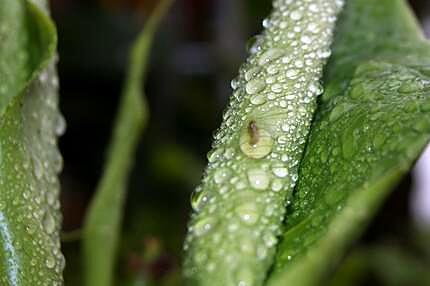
pixel 197 51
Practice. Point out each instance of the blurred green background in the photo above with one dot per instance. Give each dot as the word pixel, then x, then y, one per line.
pixel 197 51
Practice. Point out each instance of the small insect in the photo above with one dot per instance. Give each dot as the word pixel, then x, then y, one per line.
pixel 253 132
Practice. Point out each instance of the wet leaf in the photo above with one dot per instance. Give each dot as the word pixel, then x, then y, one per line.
pixel 29 159
pixel 373 121
pixel 253 165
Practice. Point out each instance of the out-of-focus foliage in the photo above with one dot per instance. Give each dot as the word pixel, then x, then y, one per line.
pixel 103 223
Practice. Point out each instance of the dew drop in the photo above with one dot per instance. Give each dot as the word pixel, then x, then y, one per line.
pixel 280 172
pixel 292 73
pixel 258 99
pixel 221 175
pixel 60 125
pixel 255 142
pixel 248 213
pixel 270 55
pixel 276 88
pixel 50 262
pixel 234 83
pixel 203 226
pixel 49 223
pixel 259 179
pixel 296 15
pixel 306 39
pixel 198 198
pixel 255 86
pixel 277 185
pixel 251 73
pixel 253 44
pixel 324 54
pixel 215 154
pixel 266 23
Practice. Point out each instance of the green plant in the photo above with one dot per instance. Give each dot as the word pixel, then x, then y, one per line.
pixel 30 161
pixel 306 154
pixel 253 166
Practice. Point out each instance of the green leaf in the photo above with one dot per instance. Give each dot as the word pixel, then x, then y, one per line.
pixel 29 159
pixel 102 224
pixel 253 166
pixel 372 123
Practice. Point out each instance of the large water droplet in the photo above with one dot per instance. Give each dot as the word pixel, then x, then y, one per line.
pixel 255 85
pixel 198 199
pixel 221 175
pixel 280 171
pixel 248 212
pixel 255 142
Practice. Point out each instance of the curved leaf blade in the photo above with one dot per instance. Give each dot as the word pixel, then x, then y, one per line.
pixel 29 159
pixel 103 222
pixel 371 125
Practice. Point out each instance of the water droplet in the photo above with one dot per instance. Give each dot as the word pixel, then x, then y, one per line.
pixel 248 212
pixel 60 125
pixel 306 39
pixel 296 15
pixel 270 55
pixel 203 226
pixel 251 73
pixel 276 88
pixel 49 223
pixel 50 261
pixel 258 99
pixel 215 154
pixel 324 54
pixel 234 83
pixel 269 239
pixel 255 86
pixel 221 175
pixel 259 179
pixel 198 199
pixel 292 73
pixel 316 88
pixel 37 168
pixel 266 23
pixel 277 185
pixel 255 142
pixel 253 44
pixel 280 172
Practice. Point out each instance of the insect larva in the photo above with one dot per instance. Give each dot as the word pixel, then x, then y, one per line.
pixel 253 167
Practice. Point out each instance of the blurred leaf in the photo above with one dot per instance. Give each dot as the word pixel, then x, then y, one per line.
pixel 167 163
pixel 102 224
pixel 372 124
pixel 387 264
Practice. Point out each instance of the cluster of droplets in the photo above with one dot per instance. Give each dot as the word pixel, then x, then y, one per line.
pixel 253 167
pixel 29 161
pixel 381 121
pixel 29 184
